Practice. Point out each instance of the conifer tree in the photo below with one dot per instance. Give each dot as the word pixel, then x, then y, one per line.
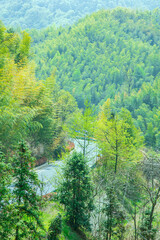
pixel 5 195
pixel 27 213
pixel 75 191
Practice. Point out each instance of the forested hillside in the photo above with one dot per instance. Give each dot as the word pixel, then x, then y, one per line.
pixel 29 109
pixel 104 53
pixel 108 54
pixel 110 188
pixel 40 13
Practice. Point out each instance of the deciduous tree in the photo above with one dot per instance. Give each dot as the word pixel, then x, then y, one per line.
pixel 118 138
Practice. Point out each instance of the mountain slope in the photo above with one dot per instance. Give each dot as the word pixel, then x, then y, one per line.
pixel 105 53
pixel 40 13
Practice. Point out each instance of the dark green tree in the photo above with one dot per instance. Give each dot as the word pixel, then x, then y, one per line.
pixel 133 194
pixel 75 192
pixel 55 228
pixel 27 212
pixel 151 168
pixel 147 231
pixel 113 225
pixel 5 195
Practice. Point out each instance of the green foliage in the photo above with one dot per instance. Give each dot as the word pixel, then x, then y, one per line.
pixel 23 51
pixel 40 13
pixel 5 199
pixel 102 54
pixel 118 138
pixel 115 216
pixel 146 231
pixel 110 54
pixel 27 213
pixel 118 184
pixel 144 106
pixel 75 192
pixel 80 126
pixel 51 211
pixel 30 109
pixel 150 168
pixel 110 210
pixel 55 228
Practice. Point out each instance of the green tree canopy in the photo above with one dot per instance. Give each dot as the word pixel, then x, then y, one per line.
pixel 27 212
pixel 75 192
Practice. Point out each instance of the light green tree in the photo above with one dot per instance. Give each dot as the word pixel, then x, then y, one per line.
pixel 118 138
pixel 81 126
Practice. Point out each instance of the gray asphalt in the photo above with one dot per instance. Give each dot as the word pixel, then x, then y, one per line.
pixel 49 174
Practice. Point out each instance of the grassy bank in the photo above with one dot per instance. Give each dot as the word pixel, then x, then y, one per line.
pixel 50 212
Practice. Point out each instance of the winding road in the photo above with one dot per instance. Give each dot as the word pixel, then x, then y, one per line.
pixel 49 174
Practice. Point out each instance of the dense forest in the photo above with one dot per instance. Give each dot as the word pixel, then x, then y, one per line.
pixel 96 83
pixel 110 54
pixel 40 14
pixel 30 109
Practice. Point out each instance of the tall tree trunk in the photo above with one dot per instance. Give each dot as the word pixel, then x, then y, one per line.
pixel 84 147
pixel 17 233
pixel 135 224
pixel 116 149
pixel 116 156
pixel 152 210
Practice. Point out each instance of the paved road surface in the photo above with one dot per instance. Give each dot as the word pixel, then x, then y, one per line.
pixel 50 173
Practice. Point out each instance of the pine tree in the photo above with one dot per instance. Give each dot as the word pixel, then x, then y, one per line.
pixel 75 191
pixel 5 195
pixel 27 213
